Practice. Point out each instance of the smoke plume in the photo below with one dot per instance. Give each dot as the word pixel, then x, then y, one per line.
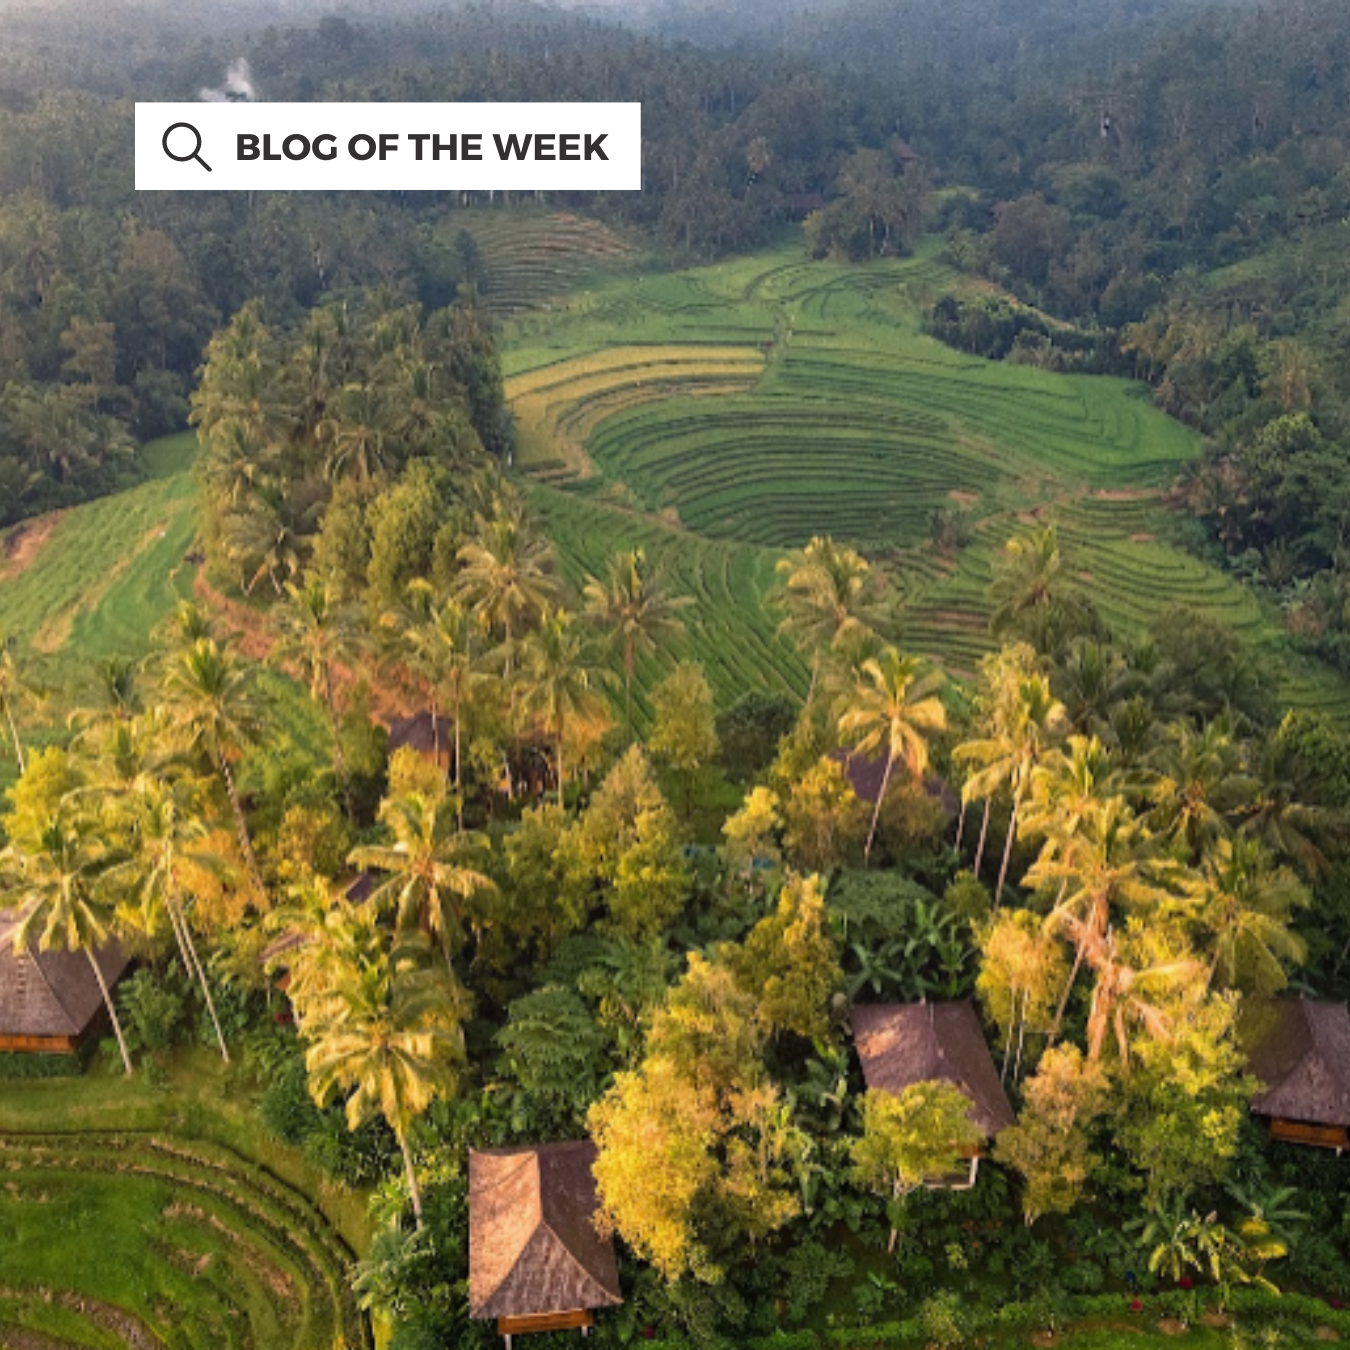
pixel 238 86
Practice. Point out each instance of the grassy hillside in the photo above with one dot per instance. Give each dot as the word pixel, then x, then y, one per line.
pixel 92 582
pixel 723 414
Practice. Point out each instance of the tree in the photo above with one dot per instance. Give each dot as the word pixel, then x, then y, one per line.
pixel 695 1147
pixel 1024 720
pixel 385 1024
pixel 824 822
pixel 167 835
pixel 1180 1107
pixel 442 654
pixel 894 706
pixel 1032 599
pixel 208 696
pixel 912 1138
pixel 319 634
pixel 828 594
pixel 1049 1145
pixel 556 674
pixel 1244 905
pixel 629 843
pixel 504 575
pixel 59 884
pixel 1022 970
pixel 427 882
pixel 685 736
pixel 789 961
pixel 631 606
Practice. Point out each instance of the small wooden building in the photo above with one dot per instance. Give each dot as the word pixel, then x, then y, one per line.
pixel 430 735
pixel 50 1001
pixel 1301 1055
pixel 901 1044
pixel 536 1260
pixel 866 774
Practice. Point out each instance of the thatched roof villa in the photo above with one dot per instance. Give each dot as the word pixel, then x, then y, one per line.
pixel 50 1001
pixel 536 1261
pixel 1301 1055
pixel 901 1044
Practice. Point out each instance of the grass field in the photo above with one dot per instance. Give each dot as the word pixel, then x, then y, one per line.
pixel 106 573
pixel 141 1215
pixel 723 414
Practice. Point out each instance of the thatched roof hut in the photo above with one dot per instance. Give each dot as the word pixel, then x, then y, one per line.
pixel 901 1044
pixel 50 1001
pixel 1301 1055
pixel 536 1261
pixel 866 774
pixel 428 734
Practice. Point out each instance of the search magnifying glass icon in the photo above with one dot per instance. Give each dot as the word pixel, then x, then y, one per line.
pixel 194 153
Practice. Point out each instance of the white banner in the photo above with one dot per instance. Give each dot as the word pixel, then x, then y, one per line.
pixel 414 147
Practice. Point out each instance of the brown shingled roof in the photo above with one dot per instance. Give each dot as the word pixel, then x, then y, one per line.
pixel 51 993
pixel 901 1044
pixel 1302 1056
pixel 533 1245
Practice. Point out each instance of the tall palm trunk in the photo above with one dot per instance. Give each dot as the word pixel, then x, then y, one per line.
pixel 459 787
pixel 1007 850
pixel 628 691
pixel 14 736
pixel 984 830
pixel 339 760
pixel 1064 998
pixel 193 962
pixel 408 1170
pixel 561 803
pixel 961 824
pixel 112 1011
pixel 241 826
pixel 876 813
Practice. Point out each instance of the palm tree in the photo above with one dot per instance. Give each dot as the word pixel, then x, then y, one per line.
pixel 318 634
pixel 385 1024
pixel 1199 784
pixel 894 706
pixel 1121 993
pixel 1031 597
pixel 557 675
pixel 427 881
pixel 207 694
pixel 441 647
pixel 1245 905
pixel 166 832
pixel 1277 812
pixel 829 594
pixel 1070 783
pixel 1027 719
pixel 1110 860
pixel 1091 681
pixel 58 884
pixel 357 431
pixel 505 573
pixel 631 606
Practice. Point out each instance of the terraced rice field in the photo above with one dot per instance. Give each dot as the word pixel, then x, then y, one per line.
pixel 753 404
pixel 163 1245
pixel 530 257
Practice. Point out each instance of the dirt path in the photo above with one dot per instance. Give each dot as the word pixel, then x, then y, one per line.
pixel 24 542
